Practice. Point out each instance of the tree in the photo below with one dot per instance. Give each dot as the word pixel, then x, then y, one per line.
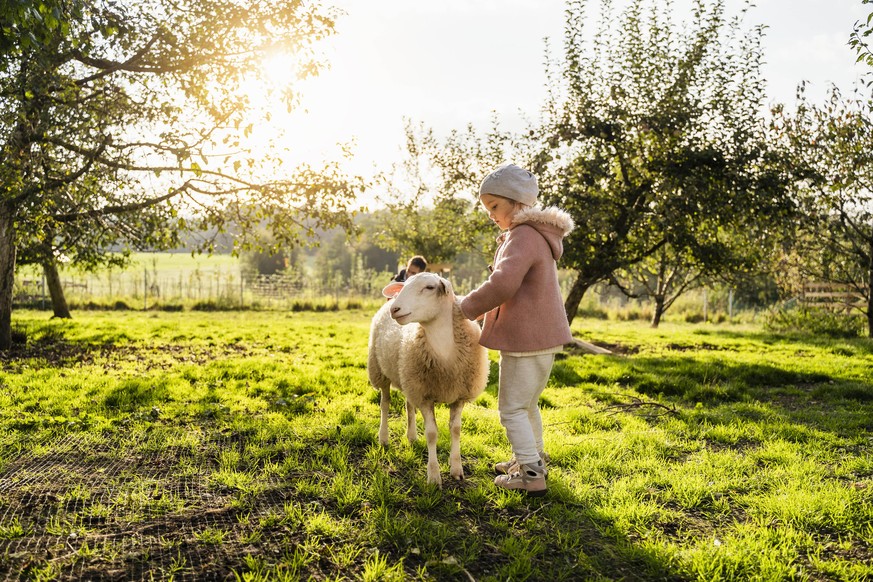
pixel 833 148
pixel 114 113
pixel 334 260
pixel 435 232
pixel 374 256
pixel 654 138
pixel 859 40
pixel 260 262
pixel 432 197
pixel 84 244
pixel 663 277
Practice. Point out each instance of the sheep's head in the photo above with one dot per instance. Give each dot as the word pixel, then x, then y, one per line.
pixel 420 299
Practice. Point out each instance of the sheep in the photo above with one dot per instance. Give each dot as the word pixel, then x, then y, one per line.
pixel 437 360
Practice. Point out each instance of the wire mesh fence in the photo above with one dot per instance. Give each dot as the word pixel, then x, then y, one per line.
pixel 147 290
pixel 81 507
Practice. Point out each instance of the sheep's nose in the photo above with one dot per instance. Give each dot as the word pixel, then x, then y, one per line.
pixel 395 309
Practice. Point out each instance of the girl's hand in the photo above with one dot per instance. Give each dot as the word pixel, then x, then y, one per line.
pixel 460 298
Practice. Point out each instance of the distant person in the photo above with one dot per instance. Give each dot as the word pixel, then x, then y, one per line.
pixel 416 265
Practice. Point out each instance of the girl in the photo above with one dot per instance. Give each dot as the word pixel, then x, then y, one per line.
pixel 524 315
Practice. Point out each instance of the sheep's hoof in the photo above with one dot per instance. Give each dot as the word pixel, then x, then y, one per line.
pixel 458 476
pixel 434 479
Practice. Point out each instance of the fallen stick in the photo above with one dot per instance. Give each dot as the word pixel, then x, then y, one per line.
pixel 588 348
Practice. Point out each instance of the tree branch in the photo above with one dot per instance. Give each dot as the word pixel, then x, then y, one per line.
pixel 90 157
pixel 108 67
pixel 109 163
pixel 121 208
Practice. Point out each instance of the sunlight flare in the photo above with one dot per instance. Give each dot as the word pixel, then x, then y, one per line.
pixel 280 70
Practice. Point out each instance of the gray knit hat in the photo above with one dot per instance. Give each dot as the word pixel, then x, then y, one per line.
pixel 511 182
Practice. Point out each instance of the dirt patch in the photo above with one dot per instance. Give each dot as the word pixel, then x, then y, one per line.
pixel 705 346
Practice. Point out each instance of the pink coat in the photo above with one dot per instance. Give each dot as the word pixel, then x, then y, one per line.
pixel 521 300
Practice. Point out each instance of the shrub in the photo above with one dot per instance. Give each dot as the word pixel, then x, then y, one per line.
pixel 19 335
pixel 593 313
pixel 693 317
pixel 171 307
pixel 817 321
pixel 215 305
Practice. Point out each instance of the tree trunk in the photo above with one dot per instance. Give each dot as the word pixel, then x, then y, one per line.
pixel 574 298
pixel 870 313
pixel 7 274
pixel 659 311
pixel 870 291
pixel 56 290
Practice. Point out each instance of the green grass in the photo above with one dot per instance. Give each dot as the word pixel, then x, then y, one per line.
pixel 163 264
pixel 243 445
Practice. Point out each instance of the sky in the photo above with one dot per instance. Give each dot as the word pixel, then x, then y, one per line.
pixel 448 63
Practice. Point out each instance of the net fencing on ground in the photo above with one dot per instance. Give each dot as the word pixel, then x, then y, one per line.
pixel 75 509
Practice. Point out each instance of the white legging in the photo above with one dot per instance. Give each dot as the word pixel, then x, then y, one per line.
pixel 522 380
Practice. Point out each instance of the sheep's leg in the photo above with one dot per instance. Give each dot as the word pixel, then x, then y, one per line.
pixel 455 467
pixel 411 428
pixel 384 406
pixel 430 433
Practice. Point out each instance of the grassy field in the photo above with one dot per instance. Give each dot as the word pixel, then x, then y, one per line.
pixel 163 264
pixel 243 446
pixel 177 280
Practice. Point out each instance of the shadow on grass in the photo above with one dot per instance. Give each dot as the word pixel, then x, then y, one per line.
pixel 728 390
pixel 711 381
pixel 135 393
pixel 121 510
pixel 382 505
pixel 473 530
pixel 50 348
pixel 859 344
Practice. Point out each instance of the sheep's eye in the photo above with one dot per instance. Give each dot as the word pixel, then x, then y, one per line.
pixel 430 287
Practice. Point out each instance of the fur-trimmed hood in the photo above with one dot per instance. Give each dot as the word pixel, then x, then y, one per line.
pixel 521 300
pixel 551 222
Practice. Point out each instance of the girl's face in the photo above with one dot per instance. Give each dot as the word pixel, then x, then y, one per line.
pixel 499 209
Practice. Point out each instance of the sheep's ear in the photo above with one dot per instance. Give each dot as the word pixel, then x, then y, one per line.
pixel 391 290
pixel 445 287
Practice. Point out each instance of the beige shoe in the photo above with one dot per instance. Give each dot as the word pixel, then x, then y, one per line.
pixel 506 467
pixel 528 478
